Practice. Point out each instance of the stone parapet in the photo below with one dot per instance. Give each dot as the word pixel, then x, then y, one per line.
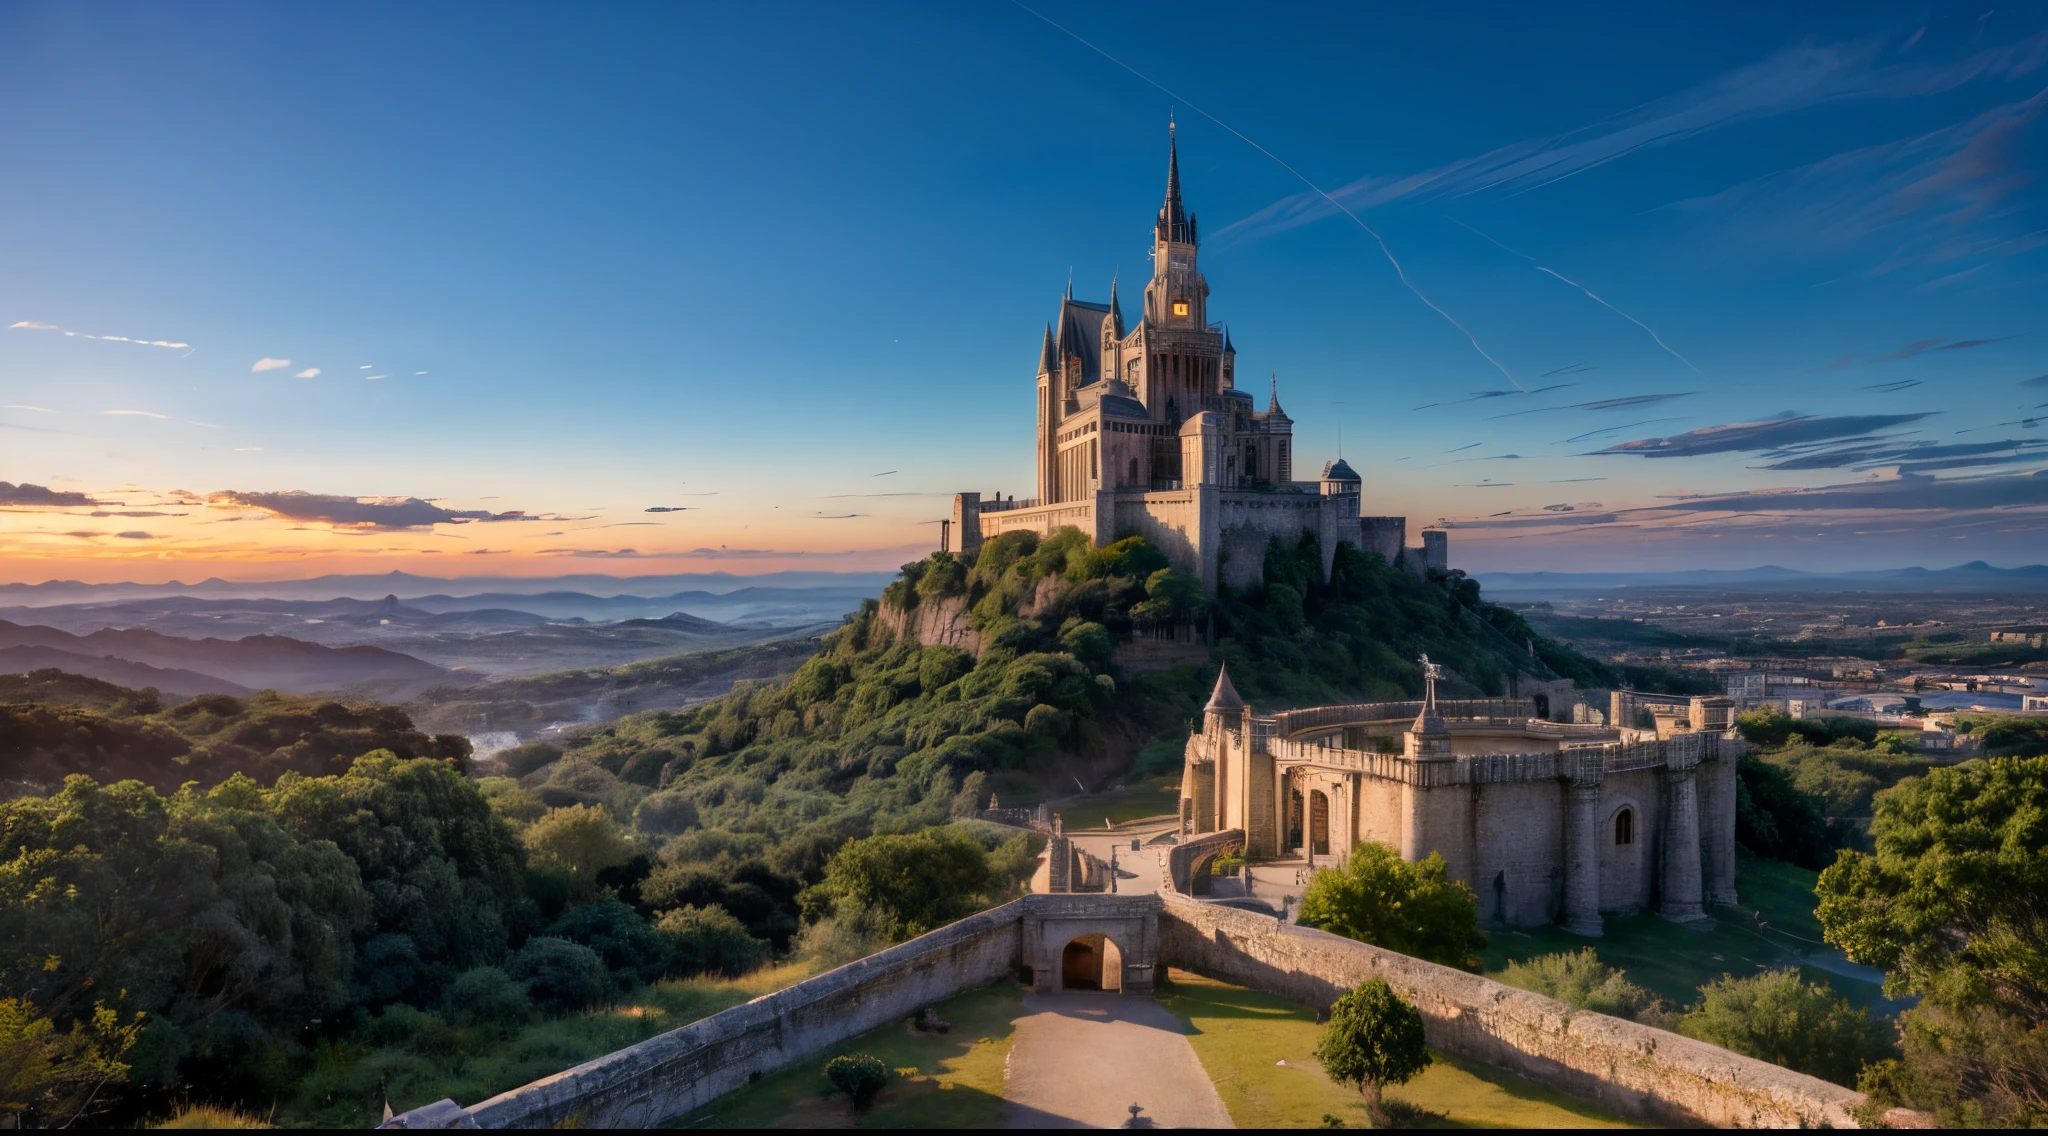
pixel 1633 1069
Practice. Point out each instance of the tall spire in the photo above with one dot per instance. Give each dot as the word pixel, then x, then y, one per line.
pixel 1116 311
pixel 1273 404
pixel 1048 363
pixel 1174 224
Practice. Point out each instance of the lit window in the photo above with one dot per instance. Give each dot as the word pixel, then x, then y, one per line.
pixel 1180 307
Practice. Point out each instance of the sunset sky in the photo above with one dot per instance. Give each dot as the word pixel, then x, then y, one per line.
pixel 527 290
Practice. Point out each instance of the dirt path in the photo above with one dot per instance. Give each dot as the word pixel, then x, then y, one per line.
pixel 1081 1061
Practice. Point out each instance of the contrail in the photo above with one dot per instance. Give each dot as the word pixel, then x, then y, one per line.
pixel 1303 178
pixel 1589 295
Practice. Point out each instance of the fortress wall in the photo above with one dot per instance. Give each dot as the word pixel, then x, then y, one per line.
pixel 1632 1069
pixel 1168 519
pixel 1519 830
pixel 1628 872
pixel 1379 811
pixel 668 1076
pixel 1042 519
pixel 1248 522
pixel 1384 535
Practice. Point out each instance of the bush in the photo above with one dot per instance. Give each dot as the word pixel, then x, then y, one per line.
pixel 665 814
pixel 582 839
pixel 560 975
pixel 524 759
pixel 1580 980
pixel 857 1075
pixel 708 940
pixel 1781 1018
pixel 917 881
pixel 486 994
pixel 1775 819
pixel 629 947
pixel 1417 909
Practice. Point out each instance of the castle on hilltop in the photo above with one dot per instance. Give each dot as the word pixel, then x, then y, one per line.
pixel 1143 430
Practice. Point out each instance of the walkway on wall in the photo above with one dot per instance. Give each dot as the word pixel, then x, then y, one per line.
pixel 1081 1061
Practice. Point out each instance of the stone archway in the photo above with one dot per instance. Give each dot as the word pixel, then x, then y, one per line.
pixel 1092 962
pixel 1319 822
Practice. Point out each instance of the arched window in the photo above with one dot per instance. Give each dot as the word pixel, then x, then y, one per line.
pixel 1625 827
pixel 1134 472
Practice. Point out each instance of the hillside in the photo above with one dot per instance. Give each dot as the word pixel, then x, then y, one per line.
pixel 877 731
pixel 54 724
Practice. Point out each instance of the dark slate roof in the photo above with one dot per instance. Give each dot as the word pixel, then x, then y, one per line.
pixel 1080 333
pixel 1225 699
pixel 1340 470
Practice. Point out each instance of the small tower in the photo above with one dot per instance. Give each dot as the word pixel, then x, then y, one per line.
pixel 1225 708
pixel 1428 739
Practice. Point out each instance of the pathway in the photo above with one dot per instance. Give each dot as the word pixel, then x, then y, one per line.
pixel 1081 1060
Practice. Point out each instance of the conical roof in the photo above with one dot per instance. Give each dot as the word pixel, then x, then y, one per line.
pixel 1224 700
pixel 1174 223
pixel 1048 362
pixel 1340 470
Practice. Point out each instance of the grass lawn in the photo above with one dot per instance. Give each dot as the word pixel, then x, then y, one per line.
pixel 1774 927
pixel 1242 1037
pixel 348 1085
pixel 1121 806
pixel 954 1080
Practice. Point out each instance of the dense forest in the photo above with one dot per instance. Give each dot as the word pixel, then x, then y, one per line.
pixel 304 908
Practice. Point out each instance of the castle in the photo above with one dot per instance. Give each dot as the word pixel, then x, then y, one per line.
pixel 1545 821
pixel 1143 430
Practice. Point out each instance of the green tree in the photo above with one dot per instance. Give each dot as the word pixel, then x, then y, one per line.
pixel 917 881
pixel 1374 1039
pixel 1953 905
pixel 708 940
pixel 582 840
pixel 629 947
pixel 560 975
pixel 1776 819
pixel 1417 909
pixel 1579 979
pixel 52 1079
pixel 1781 1018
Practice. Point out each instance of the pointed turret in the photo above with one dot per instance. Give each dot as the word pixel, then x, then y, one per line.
pixel 1048 360
pixel 1224 699
pixel 1174 223
pixel 1116 310
pixel 1273 404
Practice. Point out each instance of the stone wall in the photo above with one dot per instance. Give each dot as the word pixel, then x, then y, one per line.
pixel 684 1069
pixel 1183 860
pixel 1632 1069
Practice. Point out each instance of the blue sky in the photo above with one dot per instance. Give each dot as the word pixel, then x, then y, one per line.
pixel 744 261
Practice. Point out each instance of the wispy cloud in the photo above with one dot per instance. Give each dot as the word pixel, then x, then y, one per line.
pixel 37 325
pixel 1788 81
pixel 37 495
pixel 1602 404
pixel 135 413
pixel 23 406
pixel 308 373
pixel 1769 434
pixel 268 364
pixel 364 512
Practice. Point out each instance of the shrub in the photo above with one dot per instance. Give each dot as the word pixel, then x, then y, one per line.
pixel 486 994
pixel 708 940
pixel 1781 1018
pixel 1417 909
pixel 582 839
pixel 629 947
pixel 1580 980
pixel 524 759
pixel 560 975
pixel 1374 1039
pixel 665 814
pixel 857 1075
pixel 916 881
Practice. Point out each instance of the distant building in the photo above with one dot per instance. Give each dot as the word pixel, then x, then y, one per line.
pixel 1143 429
pixel 2022 636
pixel 2034 703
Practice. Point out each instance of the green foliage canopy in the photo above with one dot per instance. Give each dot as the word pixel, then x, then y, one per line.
pixel 1415 908
pixel 1781 1018
pixel 1374 1039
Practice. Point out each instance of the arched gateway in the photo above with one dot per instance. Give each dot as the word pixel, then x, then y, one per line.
pixel 1092 942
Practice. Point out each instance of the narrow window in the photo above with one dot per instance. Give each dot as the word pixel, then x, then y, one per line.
pixel 1624 827
pixel 1180 307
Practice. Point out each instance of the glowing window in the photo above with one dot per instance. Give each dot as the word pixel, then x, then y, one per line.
pixel 1180 307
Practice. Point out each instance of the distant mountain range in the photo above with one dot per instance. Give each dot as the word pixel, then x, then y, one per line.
pixel 406 585
pixel 1976 576
pixel 193 666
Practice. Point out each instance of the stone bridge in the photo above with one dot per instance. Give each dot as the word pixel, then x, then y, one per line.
pixel 1112 942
